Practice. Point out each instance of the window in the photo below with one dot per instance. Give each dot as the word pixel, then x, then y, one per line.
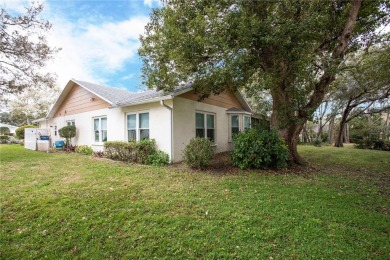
pixel 204 126
pixel 247 122
pixel 235 125
pixel 100 129
pixel 137 126
pixel 70 122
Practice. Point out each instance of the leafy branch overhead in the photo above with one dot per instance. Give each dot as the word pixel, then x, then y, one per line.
pixel 24 50
pixel 291 48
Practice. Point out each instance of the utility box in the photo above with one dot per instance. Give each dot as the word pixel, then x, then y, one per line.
pixel 43 145
pixel 33 135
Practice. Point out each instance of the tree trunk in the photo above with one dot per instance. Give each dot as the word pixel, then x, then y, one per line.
pixel 305 134
pixel 340 133
pixel 288 130
pixel 330 130
pixel 346 133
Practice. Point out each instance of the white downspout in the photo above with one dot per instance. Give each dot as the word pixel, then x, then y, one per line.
pixel 171 110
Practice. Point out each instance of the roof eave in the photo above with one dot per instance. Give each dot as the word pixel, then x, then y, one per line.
pixel 145 101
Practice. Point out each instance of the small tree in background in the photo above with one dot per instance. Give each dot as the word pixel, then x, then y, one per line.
pixel 19 132
pixel 68 132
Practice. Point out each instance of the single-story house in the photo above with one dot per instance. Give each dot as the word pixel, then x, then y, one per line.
pixel 112 114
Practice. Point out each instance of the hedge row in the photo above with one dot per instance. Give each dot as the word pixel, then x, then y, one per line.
pixel 144 152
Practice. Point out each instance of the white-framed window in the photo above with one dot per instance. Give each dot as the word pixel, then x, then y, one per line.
pixel 205 125
pixel 234 125
pixel 100 129
pixel 138 126
pixel 70 122
pixel 247 122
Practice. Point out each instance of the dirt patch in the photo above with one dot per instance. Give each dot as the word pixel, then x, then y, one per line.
pixel 222 165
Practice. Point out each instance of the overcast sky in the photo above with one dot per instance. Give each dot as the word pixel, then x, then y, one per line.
pixel 99 39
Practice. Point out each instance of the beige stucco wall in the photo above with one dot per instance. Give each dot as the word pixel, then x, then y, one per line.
pixel 184 125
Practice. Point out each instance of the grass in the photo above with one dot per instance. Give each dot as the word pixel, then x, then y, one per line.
pixel 74 206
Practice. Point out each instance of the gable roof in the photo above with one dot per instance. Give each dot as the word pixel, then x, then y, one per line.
pixel 118 97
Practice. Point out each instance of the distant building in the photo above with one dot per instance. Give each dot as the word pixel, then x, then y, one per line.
pixel 11 128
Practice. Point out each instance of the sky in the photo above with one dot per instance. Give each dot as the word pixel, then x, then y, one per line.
pixel 99 39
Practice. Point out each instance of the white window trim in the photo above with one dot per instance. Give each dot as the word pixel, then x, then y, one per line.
pixel 243 122
pixel 100 142
pixel 230 125
pixel 137 129
pixel 205 124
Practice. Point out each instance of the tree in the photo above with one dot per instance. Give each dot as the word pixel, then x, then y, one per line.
pixel 32 103
pixel 24 50
pixel 364 88
pixel 68 132
pixel 4 130
pixel 292 48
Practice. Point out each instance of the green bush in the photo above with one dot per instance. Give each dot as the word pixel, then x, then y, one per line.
pixel 67 132
pixel 144 148
pixel 19 132
pixel 317 142
pixel 136 152
pixel 120 151
pixel 84 149
pixel 4 139
pixel 4 130
pixel 373 143
pixel 159 158
pixel 13 140
pixel 198 153
pixel 259 148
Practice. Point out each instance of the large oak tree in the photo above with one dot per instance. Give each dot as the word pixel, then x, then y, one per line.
pixel 292 48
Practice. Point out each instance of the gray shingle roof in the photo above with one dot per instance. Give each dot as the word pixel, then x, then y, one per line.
pixel 122 97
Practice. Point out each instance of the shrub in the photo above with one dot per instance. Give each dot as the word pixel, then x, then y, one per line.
pixel 261 149
pixel 13 140
pixel 19 132
pixel 317 142
pixel 120 151
pixel 84 149
pixel 4 130
pixel 144 148
pixel 137 152
pixel 70 148
pixel 4 139
pixel 67 132
pixel 198 153
pixel 159 158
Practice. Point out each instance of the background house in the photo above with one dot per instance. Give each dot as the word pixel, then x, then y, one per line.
pixel 111 114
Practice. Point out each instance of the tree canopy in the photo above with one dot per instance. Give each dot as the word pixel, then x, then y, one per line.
pixel 24 50
pixel 292 48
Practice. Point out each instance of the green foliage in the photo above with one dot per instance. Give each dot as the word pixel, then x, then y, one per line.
pixel 317 142
pixel 4 130
pixel 84 149
pixel 159 158
pixel 4 139
pixel 292 49
pixel 144 149
pixel 198 153
pixel 19 132
pixel 67 132
pixel 261 149
pixel 373 143
pixel 136 152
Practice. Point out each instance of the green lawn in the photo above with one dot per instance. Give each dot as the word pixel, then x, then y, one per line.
pixel 74 206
